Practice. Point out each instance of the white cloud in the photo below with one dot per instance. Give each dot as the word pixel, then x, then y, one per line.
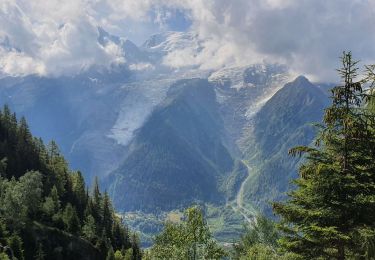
pixel 51 38
pixel 307 35
pixel 60 36
pixel 141 66
pixel 17 64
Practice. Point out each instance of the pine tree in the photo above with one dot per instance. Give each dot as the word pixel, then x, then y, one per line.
pixel 97 202
pixel 120 236
pixel 58 168
pixel 107 215
pixel 334 200
pixel 79 193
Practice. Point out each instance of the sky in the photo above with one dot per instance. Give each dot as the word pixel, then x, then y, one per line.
pixel 57 37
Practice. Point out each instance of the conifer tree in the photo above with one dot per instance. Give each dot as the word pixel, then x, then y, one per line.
pixel 334 200
pixel 107 215
pixel 79 193
pixel 120 236
pixel 96 192
pixel 96 202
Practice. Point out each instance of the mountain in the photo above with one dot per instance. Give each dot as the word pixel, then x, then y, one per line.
pixel 178 156
pixel 74 111
pixel 241 92
pixel 162 133
pixel 286 120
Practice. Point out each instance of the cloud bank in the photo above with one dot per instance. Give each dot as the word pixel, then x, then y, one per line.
pixel 55 37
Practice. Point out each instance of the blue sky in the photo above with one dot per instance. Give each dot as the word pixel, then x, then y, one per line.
pixel 309 35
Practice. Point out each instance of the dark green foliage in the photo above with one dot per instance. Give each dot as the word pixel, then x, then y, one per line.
pixel 110 254
pixel 51 206
pixel 190 239
pixel 107 216
pixel 79 191
pixel 15 243
pixel 70 219
pixel 39 255
pixel 21 199
pixel 135 251
pixel 45 209
pixel 94 207
pixel 331 214
pixel 259 241
pixel 120 237
pixel 263 231
pixel 89 228
pixel 17 145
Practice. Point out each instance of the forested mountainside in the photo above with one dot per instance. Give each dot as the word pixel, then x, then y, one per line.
pixel 73 111
pixel 46 210
pixel 286 120
pixel 178 156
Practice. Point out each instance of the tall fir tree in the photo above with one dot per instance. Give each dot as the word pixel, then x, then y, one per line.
pixel 333 205
pixel 79 192
pixel 96 209
pixel 107 215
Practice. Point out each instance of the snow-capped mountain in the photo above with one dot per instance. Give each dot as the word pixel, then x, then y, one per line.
pixel 103 108
pixel 159 134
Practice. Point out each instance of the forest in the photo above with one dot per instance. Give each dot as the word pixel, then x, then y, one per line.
pixel 48 212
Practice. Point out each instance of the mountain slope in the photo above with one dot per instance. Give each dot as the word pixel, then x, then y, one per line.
pixel 45 207
pixel 283 122
pixel 76 112
pixel 177 156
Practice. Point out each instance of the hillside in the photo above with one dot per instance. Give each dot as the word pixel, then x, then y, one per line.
pixel 178 156
pixel 45 208
pixel 285 121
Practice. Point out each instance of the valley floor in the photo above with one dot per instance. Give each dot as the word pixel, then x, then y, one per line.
pixel 225 222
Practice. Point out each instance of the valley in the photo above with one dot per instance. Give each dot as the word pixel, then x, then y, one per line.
pixel 161 140
pixel 141 129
